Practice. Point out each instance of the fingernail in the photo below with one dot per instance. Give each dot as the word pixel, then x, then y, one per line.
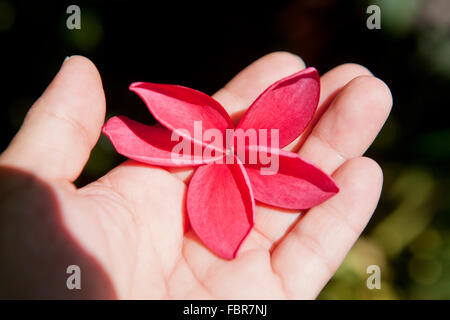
pixel 68 57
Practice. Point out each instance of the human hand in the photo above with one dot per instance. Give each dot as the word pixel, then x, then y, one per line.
pixel 125 230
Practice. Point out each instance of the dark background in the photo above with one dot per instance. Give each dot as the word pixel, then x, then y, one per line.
pixel 203 45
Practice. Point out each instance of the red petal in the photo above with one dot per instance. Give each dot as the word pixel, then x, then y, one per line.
pixel 288 105
pixel 148 144
pixel 177 107
pixel 296 184
pixel 221 207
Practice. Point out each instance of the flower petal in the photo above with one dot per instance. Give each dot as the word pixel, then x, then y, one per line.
pixel 220 206
pixel 287 105
pixel 178 107
pixel 149 144
pixel 288 181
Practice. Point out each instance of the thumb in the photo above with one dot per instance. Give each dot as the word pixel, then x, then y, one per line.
pixel 63 125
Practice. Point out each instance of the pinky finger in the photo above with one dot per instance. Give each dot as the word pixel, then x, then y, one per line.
pixel 311 252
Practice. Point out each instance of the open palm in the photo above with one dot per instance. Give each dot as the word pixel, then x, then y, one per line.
pixel 126 230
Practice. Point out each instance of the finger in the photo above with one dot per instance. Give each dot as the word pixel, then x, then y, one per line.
pixel 331 83
pixel 248 84
pixel 312 251
pixel 63 125
pixel 350 124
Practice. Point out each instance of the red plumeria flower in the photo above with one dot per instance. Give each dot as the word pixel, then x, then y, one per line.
pixel 221 194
